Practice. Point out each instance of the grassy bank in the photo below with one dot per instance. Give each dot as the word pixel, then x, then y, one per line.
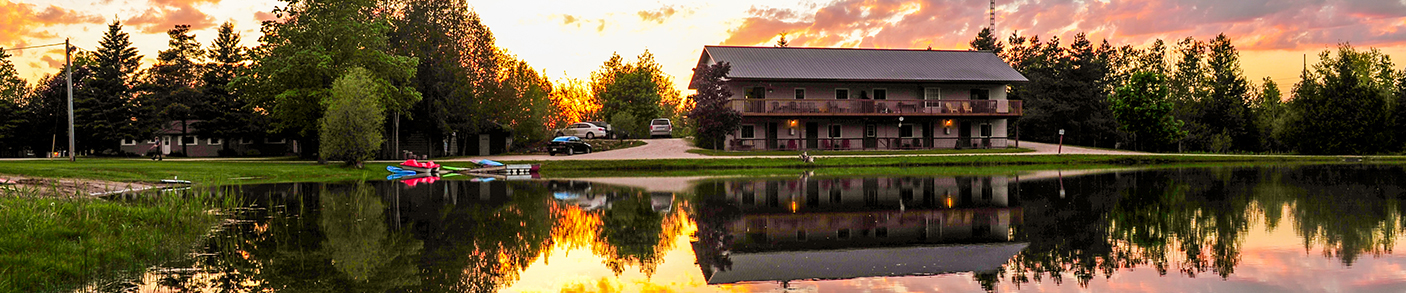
pixel 60 244
pixel 197 171
pixel 555 167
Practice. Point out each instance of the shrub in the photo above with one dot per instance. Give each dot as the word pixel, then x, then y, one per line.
pixel 351 128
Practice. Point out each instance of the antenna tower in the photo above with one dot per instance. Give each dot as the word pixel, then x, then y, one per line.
pixel 993 17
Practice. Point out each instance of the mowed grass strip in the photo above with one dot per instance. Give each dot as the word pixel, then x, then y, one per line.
pixel 708 152
pixel 198 171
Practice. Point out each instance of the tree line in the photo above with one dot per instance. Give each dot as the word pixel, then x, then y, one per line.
pixel 428 67
pixel 1192 96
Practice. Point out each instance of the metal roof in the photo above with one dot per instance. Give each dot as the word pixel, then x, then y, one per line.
pixel 838 64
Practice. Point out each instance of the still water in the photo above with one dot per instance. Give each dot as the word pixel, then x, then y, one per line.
pixel 1222 229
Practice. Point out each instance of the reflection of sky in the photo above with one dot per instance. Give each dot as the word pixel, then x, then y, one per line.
pixel 1270 261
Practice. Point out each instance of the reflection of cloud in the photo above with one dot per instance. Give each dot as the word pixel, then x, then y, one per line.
pixel 20 20
pixel 161 19
pixel 1262 24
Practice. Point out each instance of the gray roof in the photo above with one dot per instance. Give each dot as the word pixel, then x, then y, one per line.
pixel 836 64
pixel 860 263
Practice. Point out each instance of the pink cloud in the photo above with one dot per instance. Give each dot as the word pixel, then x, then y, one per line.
pixel 160 19
pixel 23 20
pixel 1255 24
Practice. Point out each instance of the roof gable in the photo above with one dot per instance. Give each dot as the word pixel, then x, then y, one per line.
pixel 836 64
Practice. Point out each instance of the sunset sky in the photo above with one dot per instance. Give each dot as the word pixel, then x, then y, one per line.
pixel 572 38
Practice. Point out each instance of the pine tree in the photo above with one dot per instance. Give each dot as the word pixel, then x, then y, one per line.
pixel 226 113
pixel 986 41
pixel 103 112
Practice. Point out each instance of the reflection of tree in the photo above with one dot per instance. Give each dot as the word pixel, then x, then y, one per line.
pixel 713 215
pixel 483 247
pixel 1194 220
pixel 629 233
pixel 359 244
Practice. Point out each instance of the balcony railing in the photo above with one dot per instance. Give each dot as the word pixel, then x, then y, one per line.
pixel 850 107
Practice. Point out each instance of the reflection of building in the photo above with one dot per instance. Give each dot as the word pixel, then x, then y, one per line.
pixel 581 194
pixel 862 227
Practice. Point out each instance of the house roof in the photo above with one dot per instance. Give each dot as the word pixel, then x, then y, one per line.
pixel 840 64
pixel 860 263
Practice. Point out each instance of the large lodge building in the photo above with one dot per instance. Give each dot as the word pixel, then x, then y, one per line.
pixel 824 98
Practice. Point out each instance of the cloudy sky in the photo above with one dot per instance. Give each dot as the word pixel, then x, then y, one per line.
pixel 572 38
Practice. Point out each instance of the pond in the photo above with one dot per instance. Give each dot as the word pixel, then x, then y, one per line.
pixel 1258 229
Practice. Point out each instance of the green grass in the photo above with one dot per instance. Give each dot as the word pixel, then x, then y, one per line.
pixel 60 244
pixel 855 153
pixel 128 170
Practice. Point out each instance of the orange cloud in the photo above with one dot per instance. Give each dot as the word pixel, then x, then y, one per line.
pixel 1262 24
pixel 661 14
pixel 160 19
pixel 21 20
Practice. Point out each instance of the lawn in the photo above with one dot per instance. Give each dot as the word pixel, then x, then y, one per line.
pixel 225 172
pixel 555 167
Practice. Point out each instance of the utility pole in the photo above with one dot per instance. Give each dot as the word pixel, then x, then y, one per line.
pixel 68 62
pixel 68 59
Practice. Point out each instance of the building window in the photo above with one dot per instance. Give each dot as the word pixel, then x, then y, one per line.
pixel 835 130
pixel 986 130
pixel 246 141
pixel 749 131
pixel 800 94
pixel 881 94
pixel 932 93
pixel 870 130
pixel 129 141
pixel 841 94
pixel 800 235
pixel 905 130
pixel 843 233
pixel 149 141
pixel 981 94
pixel 275 141
pixel 216 141
pixel 188 140
pixel 756 93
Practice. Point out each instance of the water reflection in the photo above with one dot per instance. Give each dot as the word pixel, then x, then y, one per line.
pixel 842 228
pixel 1213 227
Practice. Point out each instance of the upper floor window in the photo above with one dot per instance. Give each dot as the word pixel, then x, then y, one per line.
pixel 932 93
pixel 800 94
pixel 981 94
pixel 881 94
pixel 841 94
pixel 756 93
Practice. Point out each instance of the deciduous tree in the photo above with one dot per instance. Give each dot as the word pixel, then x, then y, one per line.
pixel 712 115
pixel 1143 111
pixel 351 129
pixel 1340 106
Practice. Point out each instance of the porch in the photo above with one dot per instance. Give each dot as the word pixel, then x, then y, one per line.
pixel 871 143
pixel 863 107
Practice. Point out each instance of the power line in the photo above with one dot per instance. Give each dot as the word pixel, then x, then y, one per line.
pixel 34 47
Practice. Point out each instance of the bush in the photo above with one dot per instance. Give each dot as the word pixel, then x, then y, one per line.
pixel 624 122
pixel 351 128
pixel 252 153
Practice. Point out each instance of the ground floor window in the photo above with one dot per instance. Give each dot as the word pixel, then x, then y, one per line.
pixel 187 140
pixel 749 131
pixel 215 141
pixel 835 130
pixel 986 130
pixel 129 141
pixel 905 131
pixel 870 130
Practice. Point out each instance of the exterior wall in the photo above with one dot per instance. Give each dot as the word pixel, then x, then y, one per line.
pixel 887 129
pixel 203 147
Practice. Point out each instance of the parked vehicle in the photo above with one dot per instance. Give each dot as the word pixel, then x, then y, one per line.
pixel 661 127
pixel 583 130
pixel 609 131
pixel 569 145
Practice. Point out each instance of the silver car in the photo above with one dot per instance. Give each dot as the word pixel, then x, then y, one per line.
pixel 661 127
pixel 583 130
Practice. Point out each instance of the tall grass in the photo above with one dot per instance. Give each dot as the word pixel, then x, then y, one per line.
pixel 65 243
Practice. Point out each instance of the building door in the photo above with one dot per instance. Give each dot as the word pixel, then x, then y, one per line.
pixel 927 134
pixel 812 135
pixel 165 145
pixel 964 135
pixel 771 135
pixel 871 136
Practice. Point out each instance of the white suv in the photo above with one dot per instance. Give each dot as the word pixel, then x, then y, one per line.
pixel 583 130
pixel 661 127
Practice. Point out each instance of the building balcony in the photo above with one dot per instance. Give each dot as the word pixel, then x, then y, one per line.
pixel 862 107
